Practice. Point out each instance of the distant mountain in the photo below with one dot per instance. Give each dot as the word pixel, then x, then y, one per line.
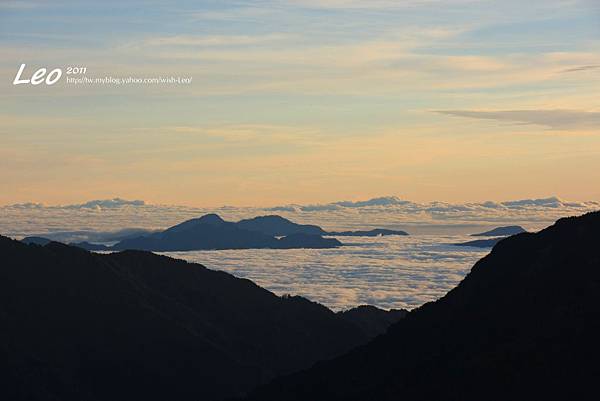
pixel 501 231
pixel 372 320
pixel 138 326
pixel 278 226
pixel 523 325
pixel 371 233
pixel 212 232
pixel 481 243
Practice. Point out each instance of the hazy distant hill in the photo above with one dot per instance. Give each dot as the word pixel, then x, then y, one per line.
pixel 501 231
pixel 94 236
pixel 481 243
pixel 523 325
pixel 36 240
pixel 370 233
pixel 137 326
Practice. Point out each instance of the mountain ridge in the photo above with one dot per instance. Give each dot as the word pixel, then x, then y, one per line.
pixel 523 324
pixel 135 325
pixel 212 232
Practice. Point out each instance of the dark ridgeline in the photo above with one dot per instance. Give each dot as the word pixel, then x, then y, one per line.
pixel 501 231
pixel 372 320
pixel 523 325
pixel 279 226
pixel 371 233
pixel 481 243
pixel 137 326
pixel 212 232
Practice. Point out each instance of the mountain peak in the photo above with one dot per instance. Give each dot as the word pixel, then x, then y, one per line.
pixel 211 218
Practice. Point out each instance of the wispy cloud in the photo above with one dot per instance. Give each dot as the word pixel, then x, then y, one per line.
pixel 333 96
pixel 213 40
pixel 582 68
pixel 553 119
pixel 374 4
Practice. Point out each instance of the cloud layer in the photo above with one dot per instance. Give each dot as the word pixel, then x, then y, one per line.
pixel 383 212
pixel 389 272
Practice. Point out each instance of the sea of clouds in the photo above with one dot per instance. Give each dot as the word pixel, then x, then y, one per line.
pixel 389 272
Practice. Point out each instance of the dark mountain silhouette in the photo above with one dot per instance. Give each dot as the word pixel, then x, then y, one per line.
pixel 371 233
pixel 372 320
pixel 212 232
pixel 501 231
pixel 278 226
pixel 523 325
pixel 481 243
pixel 138 326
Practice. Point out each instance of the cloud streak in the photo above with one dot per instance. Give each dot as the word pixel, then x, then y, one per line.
pixel 581 68
pixel 213 40
pixel 554 119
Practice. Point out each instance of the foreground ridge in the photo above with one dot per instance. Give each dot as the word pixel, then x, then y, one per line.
pixel 523 325
pixel 134 325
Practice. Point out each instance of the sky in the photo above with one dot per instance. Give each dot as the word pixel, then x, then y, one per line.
pixel 302 101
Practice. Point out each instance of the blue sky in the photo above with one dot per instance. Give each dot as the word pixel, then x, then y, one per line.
pixel 303 101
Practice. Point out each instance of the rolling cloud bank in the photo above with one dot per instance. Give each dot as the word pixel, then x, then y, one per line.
pixel 390 212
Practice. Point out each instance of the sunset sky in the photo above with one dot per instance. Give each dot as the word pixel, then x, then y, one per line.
pixel 302 101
